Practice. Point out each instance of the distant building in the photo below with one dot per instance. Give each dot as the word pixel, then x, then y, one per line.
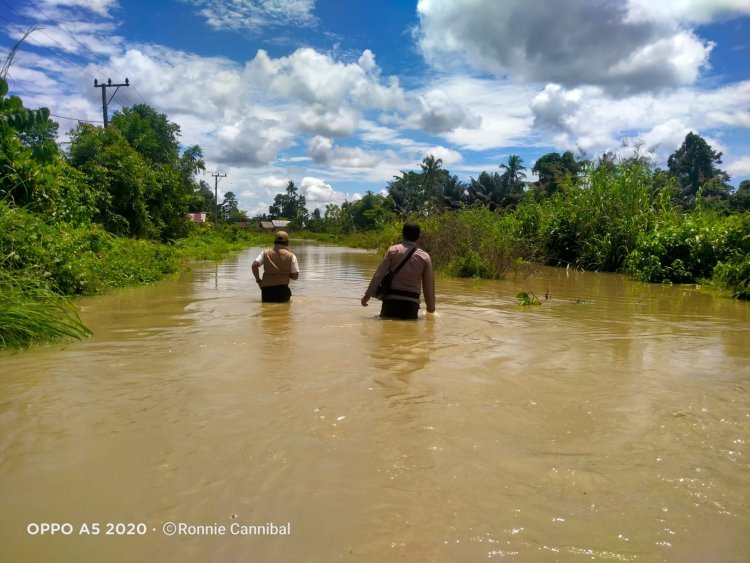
pixel 199 217
pixel 274 224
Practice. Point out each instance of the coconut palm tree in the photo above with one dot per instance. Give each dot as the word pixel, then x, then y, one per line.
pixel 514 174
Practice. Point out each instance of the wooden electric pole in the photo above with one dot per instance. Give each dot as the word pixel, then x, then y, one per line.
pixel 105 101
pixel 216 195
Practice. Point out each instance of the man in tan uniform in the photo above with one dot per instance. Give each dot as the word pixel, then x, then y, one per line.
pixel 279 266
pixel 402 301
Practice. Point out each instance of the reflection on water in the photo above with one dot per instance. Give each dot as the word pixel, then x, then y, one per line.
pixel 398 351
pixel 611 422
pixel 275 322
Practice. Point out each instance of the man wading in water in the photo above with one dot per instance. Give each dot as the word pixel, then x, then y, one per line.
pixel 279 266
pixel 402 301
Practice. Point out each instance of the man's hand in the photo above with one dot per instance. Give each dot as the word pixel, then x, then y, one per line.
pixel 364 300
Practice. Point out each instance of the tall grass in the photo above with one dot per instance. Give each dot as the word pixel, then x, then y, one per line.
pixel 31 312
pixel 473 243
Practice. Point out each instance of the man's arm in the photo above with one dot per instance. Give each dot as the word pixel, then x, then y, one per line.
pixel 256 271
pixel 377 278
pixel 294 274
pixel 428 285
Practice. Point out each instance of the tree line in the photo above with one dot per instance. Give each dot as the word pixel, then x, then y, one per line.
pixel 693 174
pixel 132 177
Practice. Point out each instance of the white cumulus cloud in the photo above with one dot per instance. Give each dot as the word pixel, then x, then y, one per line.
pixel 323 151
pixel 448 156
pixel 439 112
pixel 739 167
pixel 98 7
pixel 340 122
pixel 691 11
pixel 315 78
pixel 250 142
pixel 588 118
pixel 574 43
pixel 318 193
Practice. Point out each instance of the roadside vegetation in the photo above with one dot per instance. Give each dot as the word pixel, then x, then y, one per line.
pixel 109 212
pixel 32 312
pixel 609 214
pixel 112 210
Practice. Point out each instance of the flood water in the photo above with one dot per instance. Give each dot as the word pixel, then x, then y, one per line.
pixel 610 423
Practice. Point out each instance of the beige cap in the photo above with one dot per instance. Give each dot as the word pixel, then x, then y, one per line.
pixel 281 238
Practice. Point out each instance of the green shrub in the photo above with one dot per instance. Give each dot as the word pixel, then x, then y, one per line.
pixel 734 277
pixel 528 218
pixel 595 224
pixel 471 265
pixel 473 242
pixel 128 261
pixel 732 272
pixel 559 232
pixel 687 248
pixel 78 260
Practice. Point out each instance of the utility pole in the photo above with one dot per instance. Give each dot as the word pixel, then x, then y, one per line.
pixel 105 101
pixel 216 195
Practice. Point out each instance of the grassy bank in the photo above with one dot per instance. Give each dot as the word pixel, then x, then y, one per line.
pixel 43 266
pixel 374 240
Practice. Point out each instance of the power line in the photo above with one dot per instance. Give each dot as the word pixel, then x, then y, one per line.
pixel 74 55
pixel 85 47
pixel 75 118
pixel 31 38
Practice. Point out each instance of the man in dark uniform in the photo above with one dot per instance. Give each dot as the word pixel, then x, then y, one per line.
pixel 402 301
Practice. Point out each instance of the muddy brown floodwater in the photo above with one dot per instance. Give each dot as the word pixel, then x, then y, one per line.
pixel 610 423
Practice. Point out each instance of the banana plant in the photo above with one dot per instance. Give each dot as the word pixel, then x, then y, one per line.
pixel 19 118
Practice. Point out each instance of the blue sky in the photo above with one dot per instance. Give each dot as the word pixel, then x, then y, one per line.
pixel 340 96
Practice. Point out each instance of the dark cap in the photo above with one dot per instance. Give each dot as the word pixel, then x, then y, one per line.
pixel 281 238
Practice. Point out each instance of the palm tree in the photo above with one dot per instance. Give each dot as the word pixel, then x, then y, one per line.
pixel 486 190
pixel 433 174
pixel 407 194
pixel 454 192
pixel 514 174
